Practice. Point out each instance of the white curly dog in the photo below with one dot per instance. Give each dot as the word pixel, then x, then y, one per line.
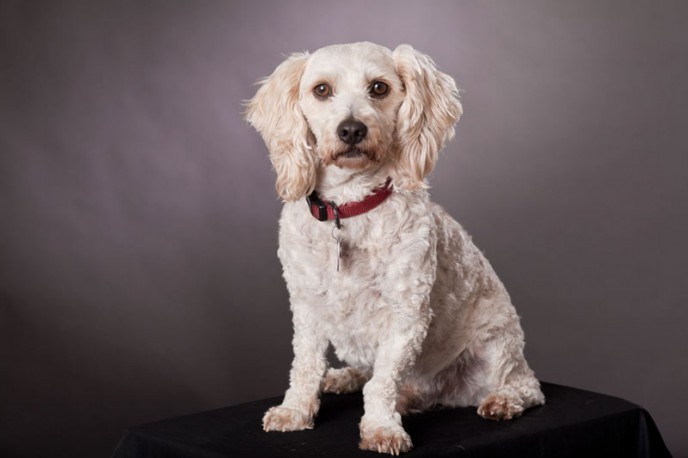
pixel 408 302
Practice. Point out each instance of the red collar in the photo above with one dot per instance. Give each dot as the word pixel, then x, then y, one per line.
pixel 327 211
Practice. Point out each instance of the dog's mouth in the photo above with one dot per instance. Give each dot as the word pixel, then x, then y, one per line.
pixel 352 153
pixel 353 158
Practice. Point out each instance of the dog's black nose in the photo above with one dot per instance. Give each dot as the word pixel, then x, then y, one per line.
pixel 351 132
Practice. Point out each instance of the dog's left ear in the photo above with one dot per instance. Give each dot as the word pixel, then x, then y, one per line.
pixel 426 117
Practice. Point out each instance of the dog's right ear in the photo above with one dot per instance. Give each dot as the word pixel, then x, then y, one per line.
pixel 275 113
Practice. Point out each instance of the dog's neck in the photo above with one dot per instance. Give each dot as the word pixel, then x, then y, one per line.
pixel 343 185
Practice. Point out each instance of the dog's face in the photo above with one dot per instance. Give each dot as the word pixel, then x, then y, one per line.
pixel 354 106
pixel 350 96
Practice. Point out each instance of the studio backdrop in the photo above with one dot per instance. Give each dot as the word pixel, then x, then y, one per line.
pixel 138 217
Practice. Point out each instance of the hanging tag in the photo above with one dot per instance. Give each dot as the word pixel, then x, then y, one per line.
pixel 339 251
pixel 337 227
pixel 338 239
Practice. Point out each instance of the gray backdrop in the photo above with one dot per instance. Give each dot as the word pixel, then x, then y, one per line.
pixel 138 221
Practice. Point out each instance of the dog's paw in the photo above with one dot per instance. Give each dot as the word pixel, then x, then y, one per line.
pixel 388 438
pixel 344 380
pixel 498 406
pixel 284 419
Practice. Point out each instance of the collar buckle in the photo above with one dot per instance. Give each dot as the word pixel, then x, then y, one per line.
pixel 317 206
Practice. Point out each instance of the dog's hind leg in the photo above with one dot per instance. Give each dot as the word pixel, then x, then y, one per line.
pixel 510 401
pixel 343 380
pixel 513 386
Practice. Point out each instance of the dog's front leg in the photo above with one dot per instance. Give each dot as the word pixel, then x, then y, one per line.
pixel 381 428
pixel 407 284
pixel 301 401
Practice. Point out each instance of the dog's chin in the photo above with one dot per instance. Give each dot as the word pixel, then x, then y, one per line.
pixel 353 158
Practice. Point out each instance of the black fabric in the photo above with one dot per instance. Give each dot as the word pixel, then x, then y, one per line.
pixel 573 423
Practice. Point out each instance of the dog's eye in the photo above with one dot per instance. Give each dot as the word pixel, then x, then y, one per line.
pixel 322 90
pixel 378 89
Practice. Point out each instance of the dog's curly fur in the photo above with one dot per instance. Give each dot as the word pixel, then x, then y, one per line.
pixel 415 311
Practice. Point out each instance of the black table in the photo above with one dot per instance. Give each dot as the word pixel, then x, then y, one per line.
pixel 573 423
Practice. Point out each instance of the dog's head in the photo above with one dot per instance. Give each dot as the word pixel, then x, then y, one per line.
pixel 354 106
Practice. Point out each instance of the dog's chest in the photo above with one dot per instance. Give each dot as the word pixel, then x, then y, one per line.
pixel 351 272
pixel 354 313
pixel 342 286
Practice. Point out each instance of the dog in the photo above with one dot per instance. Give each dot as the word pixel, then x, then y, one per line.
pixel 373 267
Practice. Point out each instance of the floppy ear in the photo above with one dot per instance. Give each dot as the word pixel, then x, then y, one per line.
pixel 274 112
pixel 426 117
